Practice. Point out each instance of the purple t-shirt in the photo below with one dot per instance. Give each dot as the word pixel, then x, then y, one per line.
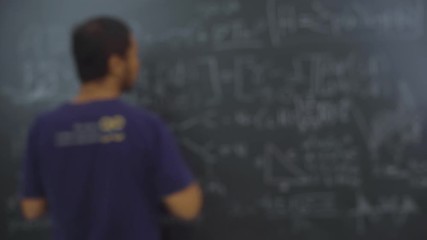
pixel 104 168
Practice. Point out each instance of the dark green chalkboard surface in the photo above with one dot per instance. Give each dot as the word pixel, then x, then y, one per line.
pixel 298 116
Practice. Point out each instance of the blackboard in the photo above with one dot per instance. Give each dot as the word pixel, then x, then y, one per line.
pixel 299 117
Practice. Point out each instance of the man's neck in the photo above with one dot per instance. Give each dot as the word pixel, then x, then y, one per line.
pixel 97 91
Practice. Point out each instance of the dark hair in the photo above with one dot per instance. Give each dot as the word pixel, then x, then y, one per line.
pixel 94 42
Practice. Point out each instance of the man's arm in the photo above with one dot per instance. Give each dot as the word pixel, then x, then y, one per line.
pixel 33 208
pixel 185 204
pixel 33 202
pixel 176 186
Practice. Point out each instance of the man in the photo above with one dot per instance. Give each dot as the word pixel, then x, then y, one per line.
pixel 100 166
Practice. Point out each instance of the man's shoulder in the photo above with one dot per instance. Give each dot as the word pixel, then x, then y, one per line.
pixel 49 115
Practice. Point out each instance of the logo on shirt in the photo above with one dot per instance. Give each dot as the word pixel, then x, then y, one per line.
pixel 108 129
pixel 112 128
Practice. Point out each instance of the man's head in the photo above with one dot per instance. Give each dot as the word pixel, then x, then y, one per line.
pixel 104 48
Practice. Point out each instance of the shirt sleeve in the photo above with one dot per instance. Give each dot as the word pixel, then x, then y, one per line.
pixel 171 172
pixel 31 178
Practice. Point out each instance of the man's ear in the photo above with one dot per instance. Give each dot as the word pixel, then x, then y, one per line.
pixel 116 66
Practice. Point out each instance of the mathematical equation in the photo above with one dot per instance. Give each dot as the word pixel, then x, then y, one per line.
pixel 320 162
pixel 309 209
pixel 246 79
pixel 278 23
pixel 354 18
pixel 311 115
